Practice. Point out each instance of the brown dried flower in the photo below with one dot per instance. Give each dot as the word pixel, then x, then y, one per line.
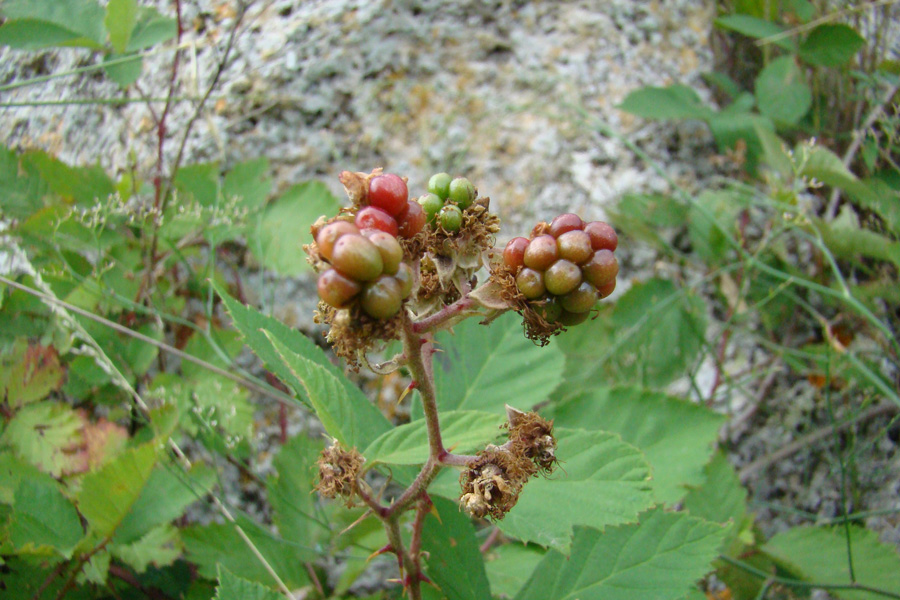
pixel 491 483
pixel 532 436
pixel 338 472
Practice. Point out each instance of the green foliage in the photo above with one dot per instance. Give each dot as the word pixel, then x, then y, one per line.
pixel 232 587
pixel 659 557
pixel 454 561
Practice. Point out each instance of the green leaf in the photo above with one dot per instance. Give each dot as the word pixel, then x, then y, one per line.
pixel 845 238
pixel 23 193
pixel 107 495
pixel 121 17
pixel 227 342
pixel 462 430
pixel 672 102
pixel 879 197
pixel 290 488
pixel 123 73
pixel 34 34
pixel 12 471
pixel 486 367
pixel 660 557
pixel 43 517
pixel 254 326
pixel 602 481
pixel 46 435
pixel 755 28
pixel 510 566
pixel 28 373
pixel 215 545
pixel 159 547
pixel 84 185
pixel 646 217
pixel 168 493
pixel 819 554
pixel 454 561
pixel 351 419
pixel 248 183
pixel 721 497
pixel 151 28
pixel 781 92
pixel 732 129
pixel 232 587
pixel 83 19
pixel 712 223
pixel 651 336
pixel 199 182
pixel 831 45
pixel 775 152
pixel 676 436
pixel 283 228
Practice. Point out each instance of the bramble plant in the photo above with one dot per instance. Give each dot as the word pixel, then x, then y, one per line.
pixel 496 426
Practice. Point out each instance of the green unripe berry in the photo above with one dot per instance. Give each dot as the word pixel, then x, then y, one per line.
pixel 530 283
pixel 579 300
pixel 432 204
pixel 357 258
pixel 389 247
pixel 405 276
pixel 562 277
pixel 382 298
pixel 439 185
pixel 568 318
pixel 450 218
pixel 462 192
pixel 549 309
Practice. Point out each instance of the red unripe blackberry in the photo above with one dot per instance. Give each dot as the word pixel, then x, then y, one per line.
pixel 565 222
pixel 388 246
pixel 562 277
pixel 603 236
pixel 540 253
pixel 330 233
pixel 336 289
pixel 357 258
pixel 382 298
pixel 414 219
pixel 530 283
pixel 575 246
pixel 601 269
pixel 579 300
pixel 607 289
pixel 514 252
pixel 388 192
pixel 372 217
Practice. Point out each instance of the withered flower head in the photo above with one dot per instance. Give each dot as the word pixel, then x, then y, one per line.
pixel 531 436
pixel 338 472
pixel 492 482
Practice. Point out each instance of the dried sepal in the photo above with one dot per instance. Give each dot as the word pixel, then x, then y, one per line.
pixel 338 472
pixel 352 332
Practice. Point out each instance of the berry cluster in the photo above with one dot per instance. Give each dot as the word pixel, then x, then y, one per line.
pixel 446 200
pixel 565 267
pixel 389 208
pixel 365 257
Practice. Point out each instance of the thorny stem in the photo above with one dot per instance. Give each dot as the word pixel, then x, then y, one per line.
pixel 450 311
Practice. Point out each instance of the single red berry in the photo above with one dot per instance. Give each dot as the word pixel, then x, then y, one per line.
pixel 575 246
pixel 606 289
pixel 372 217
pixel 414 219
pixel 530 283
pixel 388 192
pixel 330 233
pixel 388 246
pixel 515 252
pixel 336 289
pixel 601 269
pixel 382 298
pixel 562 277
pixel 541 252
pixel 579 300
pixel 357 258
pixel 603 236
pixel 565 222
